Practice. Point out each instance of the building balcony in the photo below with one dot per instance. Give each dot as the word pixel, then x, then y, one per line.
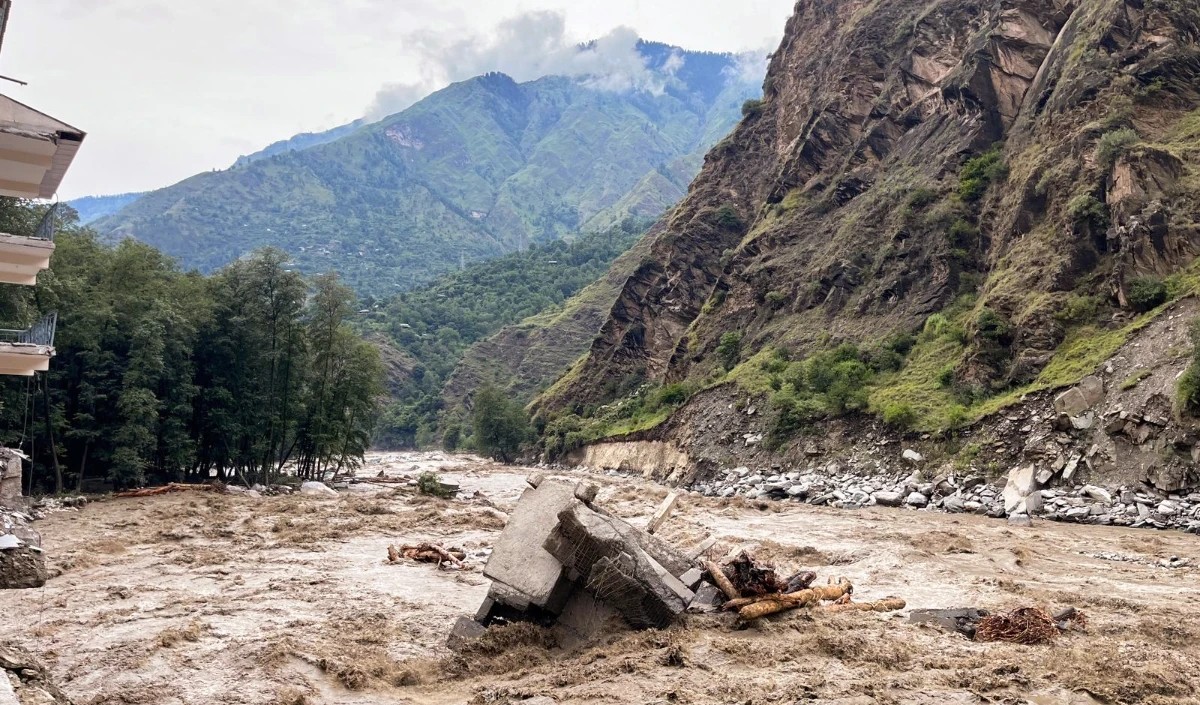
pixel 24 352
pixel 23 256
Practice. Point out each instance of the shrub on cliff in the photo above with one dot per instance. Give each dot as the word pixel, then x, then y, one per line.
pixel 1146 293
pixel 1187 397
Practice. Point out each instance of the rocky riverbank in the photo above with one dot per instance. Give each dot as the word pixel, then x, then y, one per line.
pixel 1020 497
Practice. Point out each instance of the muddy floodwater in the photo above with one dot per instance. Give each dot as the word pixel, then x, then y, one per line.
pixel 202 598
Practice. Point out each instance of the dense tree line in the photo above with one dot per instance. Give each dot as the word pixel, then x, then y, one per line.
pixel 435 324
pixel 164 375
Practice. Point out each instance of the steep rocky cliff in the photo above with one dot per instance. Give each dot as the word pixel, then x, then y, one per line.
pixel 985 190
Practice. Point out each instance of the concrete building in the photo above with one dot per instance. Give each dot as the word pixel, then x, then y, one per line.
pixel 35 152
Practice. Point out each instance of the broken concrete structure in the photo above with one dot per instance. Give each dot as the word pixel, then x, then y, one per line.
pixel 10 473
pixel 562 561
pixel 523 573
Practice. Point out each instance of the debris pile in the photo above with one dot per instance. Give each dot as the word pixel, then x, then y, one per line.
pixel 169 488
pixel 22 564
pixel 564 562
pixel 24 681
pixel 1024 625
pixel 429 553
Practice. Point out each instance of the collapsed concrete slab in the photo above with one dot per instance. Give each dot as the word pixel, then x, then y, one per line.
pixel 563 563
pixel 525 573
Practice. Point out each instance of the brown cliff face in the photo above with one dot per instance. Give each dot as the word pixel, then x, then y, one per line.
pixel 833 211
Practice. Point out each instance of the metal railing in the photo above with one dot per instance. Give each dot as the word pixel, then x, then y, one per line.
pixel 40 333
pixel 49 224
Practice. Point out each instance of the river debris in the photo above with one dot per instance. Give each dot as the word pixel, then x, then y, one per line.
pixel 565 563
pixel 429 553
pixel 1024 625
pixel 170 487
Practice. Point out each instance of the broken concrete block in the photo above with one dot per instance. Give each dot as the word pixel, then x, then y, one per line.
pixel 586 492
pixel 703 547
pixel 692 578
pixel 518 559
pixel 962 621
pixel 663 512
pixel 608 556
pixel 466 631
pixel 708 598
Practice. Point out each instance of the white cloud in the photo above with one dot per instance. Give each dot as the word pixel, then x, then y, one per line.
pixel 526 47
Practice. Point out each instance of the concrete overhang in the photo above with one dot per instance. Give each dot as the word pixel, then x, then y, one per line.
pixel 23 359
pixel 21 258
pixel 35 150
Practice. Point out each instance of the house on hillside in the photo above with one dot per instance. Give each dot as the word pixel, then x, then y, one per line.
pixel 35 152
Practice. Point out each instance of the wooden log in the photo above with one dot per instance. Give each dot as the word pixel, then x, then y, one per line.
pixel 170 487
pixel 663 512
pixel 792 600
pixel 890 604
pixel 721 580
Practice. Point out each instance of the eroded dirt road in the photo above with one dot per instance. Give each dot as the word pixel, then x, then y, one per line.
pixel 203 599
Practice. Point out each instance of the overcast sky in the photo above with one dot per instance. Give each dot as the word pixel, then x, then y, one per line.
pixel 168 88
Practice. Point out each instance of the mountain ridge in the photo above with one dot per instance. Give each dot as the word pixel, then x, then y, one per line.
pixel 480 168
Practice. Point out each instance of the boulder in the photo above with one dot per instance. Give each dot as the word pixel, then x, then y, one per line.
pixel 916 499
pixel 1021 483
pixel 888 499
pixel 317 489
pixel 1097 493
pixel 913 456
pixel 22 567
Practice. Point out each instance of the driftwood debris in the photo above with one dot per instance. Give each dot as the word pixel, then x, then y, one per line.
pixel 773 604
pixel 1025 625
pixel 752 577
pixel 171 487
pixel 722 580
pixel 888 604
pixel 428 553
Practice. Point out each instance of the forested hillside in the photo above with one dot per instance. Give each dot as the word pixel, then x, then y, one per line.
pixel 165 375
pixel 436 324
pixel 482 168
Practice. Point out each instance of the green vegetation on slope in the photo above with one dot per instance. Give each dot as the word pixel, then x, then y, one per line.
pixel 437 323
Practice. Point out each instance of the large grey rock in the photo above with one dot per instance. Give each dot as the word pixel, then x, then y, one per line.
pixel 518 558
pixel 22 568
pixel 916 499
pixel 913 456
pixel 1021 483
pixel 1070 403
pixel 1092 388
pixel 1097 493
pixel 317 489
pixel 888 499
pixel 962 621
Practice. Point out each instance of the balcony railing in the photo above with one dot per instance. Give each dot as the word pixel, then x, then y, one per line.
pixel 40 333
pixel 49 224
